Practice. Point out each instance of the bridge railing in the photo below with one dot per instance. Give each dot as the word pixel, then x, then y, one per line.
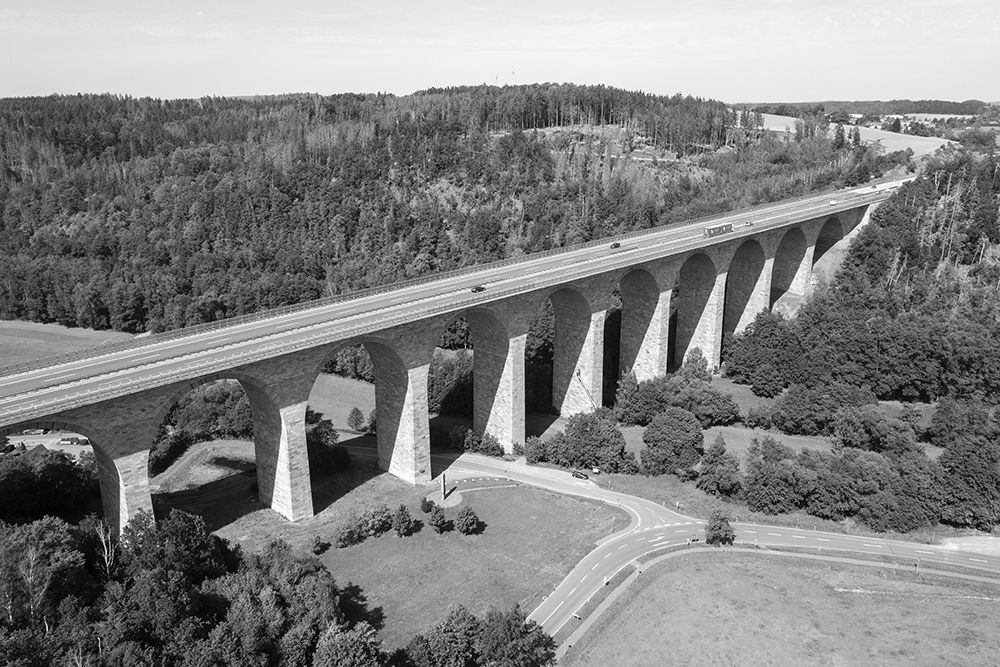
pixel 152 339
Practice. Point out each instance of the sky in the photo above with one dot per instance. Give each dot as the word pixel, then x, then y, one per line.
pixel 731 50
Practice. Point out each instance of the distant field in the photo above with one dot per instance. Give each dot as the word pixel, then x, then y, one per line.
pixel 27 341
pixel 749 609
pixel 334 396
pixel 891 141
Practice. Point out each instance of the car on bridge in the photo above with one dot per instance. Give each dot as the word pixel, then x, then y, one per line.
pixel 478 288
pixel 616 244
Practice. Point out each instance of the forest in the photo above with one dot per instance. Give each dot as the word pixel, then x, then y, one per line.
pixel 147 215
pixel 910 316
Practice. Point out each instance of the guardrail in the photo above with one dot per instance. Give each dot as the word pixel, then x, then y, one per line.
pixel 219 362
pixel 153 339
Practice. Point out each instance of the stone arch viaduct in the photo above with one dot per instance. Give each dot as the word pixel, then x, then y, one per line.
pixel 679 288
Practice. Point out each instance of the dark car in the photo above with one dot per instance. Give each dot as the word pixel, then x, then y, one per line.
pixel 616 244
pixel 478 288
pixel 579 475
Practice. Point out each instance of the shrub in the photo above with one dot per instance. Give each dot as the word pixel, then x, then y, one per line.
pixel 674 441
pixel 438 521
pixel 402 522
pixel 517 449
pixel 376 521
pixel 534 450
pixel 467 522
pixel 327 459
pixel 356 419
pixel 759 416
pixel 457 437
pixel 806 411
pixel 347 534
pixel 426 505
pixel 591 440
pixel 718 531
pixel 489 445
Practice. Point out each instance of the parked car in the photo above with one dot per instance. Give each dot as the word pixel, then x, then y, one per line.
pixel 73 440
pixel 579 475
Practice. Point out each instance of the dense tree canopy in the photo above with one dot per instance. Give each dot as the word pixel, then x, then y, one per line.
pixel 143 214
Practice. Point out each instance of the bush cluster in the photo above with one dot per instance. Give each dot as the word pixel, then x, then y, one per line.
pixel 636 404
pixel 590 440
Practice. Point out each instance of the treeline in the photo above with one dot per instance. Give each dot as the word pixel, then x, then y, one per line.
pixel 876 107
pixel 146 215
pixel 171 593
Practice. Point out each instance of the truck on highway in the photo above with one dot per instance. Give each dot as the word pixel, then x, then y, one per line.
pixel 715 230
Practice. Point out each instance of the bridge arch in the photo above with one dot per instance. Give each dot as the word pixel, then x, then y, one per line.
pixel 577 351
pixel 791 270
pixel 280 452
pixel 830 234
pixel 644 325
pixel 497 376
pixel 747 288
pixel 698 314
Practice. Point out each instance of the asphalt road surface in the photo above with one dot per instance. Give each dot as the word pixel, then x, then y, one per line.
pixel 47 390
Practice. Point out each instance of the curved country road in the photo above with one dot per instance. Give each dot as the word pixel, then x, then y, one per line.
pixel 655 528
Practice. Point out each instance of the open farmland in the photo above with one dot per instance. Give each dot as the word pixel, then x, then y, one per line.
pixel 731 608
pixel 891 141
pixel 27 341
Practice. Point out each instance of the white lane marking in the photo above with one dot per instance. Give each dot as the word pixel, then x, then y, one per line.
pixel 822 539
pixel 877 546
pixel 571 592
pixel 605 556
pixel 63 377
pixel 619 548
pixel 680 531
pixel 979 560
pixel 775 534
pixel 799 537
pixel 595 567
pixel 553 612
pixel 924 552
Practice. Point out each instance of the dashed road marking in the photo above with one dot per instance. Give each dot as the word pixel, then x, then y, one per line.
pixel 877 546
pixel 822 539
pixel 979 560
pixel 775 534
pixel 799 537
pixel 924 552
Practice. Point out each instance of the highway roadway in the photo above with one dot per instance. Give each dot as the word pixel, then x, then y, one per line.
pixel 653 529
pixel 157 362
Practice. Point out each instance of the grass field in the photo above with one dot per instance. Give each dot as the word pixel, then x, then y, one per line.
pixel 27 341
pixel 732 608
